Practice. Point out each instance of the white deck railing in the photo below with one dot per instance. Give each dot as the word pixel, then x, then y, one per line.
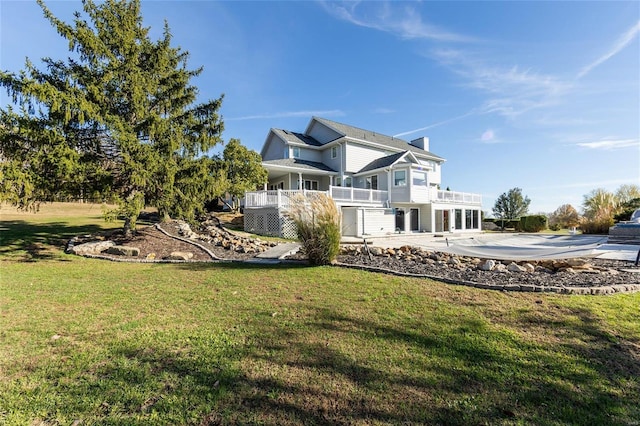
pixel 278 198
pixel 358 195
pixel 282 198
pixel 455 197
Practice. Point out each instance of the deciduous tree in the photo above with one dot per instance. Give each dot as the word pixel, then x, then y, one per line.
pixel 511 205
pixel 565 216
pixel 244 170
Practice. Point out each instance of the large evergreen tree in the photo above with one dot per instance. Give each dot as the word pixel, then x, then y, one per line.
pixel 118 120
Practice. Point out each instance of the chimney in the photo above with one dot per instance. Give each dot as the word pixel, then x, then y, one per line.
pixel 422 143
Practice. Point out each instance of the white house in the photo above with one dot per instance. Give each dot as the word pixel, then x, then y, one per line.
pixel 383 185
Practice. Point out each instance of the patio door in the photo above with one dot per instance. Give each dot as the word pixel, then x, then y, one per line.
pixel 414 218
pixel 399 220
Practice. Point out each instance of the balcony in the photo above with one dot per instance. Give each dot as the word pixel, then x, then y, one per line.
pixel 342 195
pixel 359 197
pixel 439 196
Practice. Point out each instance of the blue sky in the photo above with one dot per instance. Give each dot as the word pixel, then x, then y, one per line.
pixel 544 96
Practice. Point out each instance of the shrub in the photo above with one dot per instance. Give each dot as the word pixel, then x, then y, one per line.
pixel 555 227
pixel 317 222
pixel 507 223
pixel 598 225
pixel 533 223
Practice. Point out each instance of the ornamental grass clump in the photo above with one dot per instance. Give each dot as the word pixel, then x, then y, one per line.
pixel 317 221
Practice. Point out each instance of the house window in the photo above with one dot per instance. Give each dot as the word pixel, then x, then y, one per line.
pixel 458 218
pixel 400 178
pixel 338 181
pixel 347 182
pixel 279 185
pixel 372 182
pixel 334 151
pixel 468 219
pixel 476 223
pixel 311 185
pixel 419 178
pixel 295 152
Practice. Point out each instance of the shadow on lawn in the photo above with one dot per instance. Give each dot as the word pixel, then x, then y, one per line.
pixel 38 240
pixel 317 373
pixel 459 377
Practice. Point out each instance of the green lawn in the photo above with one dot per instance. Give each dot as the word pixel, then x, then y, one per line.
pixel 96 342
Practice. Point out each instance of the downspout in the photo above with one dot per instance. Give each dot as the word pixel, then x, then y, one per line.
pixel 389 182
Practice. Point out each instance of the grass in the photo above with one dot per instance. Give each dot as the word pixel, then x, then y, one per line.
pixel 96 342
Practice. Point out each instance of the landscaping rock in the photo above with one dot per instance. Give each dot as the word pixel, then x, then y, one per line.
pixel 123 251
pixel 488 265
pixel 514 267
pixel 94 247
pixel 180 255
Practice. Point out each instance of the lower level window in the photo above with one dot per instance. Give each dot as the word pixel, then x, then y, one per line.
pixel 311 185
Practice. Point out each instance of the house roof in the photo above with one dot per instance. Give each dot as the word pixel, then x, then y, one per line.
pixel 368 135
pixel 296 163
pixel 383 162
pixel 295 137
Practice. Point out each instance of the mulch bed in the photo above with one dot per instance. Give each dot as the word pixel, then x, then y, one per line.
pixel 152 242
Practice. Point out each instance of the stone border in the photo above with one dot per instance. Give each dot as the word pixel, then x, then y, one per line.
pixel 600 291
pixel 186 240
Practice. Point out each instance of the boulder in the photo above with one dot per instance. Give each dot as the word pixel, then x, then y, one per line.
pixel 514 267
pixel 93 247
pixel 488 265
pixel 124 251
pixel 180 255
pixel 500 267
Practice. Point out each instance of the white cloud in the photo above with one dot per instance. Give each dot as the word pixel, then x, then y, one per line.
pixel 440 123
pixel 610 144
pixel 384 111
pixel 404 22
pixel 488 136
pixel 320 113
pixel 512 90
pixel 620 44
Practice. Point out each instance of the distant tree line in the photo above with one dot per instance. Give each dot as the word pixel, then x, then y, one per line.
pixel 600 210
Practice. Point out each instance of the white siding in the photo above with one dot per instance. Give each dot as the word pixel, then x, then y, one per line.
pixel 435 176
pixel 307 154
pixel 334 163
pixel 322 133
pixel 359 156
pixel 275 148
pixel 425 218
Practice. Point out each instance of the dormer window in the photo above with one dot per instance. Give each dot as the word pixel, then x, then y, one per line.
pixel 295 152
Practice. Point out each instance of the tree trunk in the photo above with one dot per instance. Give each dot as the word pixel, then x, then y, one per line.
pixel 127 228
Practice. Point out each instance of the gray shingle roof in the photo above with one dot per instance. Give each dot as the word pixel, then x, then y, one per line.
pixel 368 135
pixel 382 162
pixel 299 164
pixel 296 137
